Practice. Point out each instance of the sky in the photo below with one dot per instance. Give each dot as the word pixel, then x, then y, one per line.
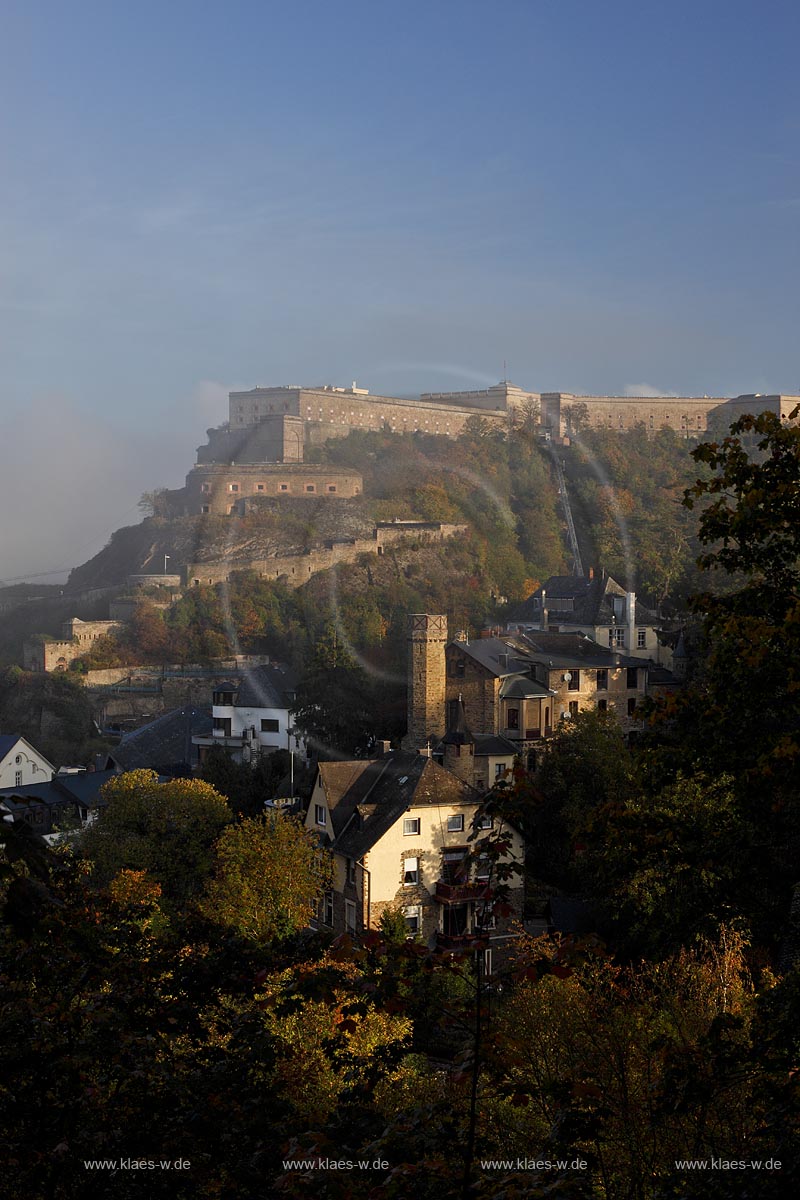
pixel 200 197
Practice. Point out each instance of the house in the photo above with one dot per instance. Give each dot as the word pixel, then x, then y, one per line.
pixel 596 606
pixel 252 716
pixel 399 827
pixel 518 687
pixel 63 802
pixel 21 763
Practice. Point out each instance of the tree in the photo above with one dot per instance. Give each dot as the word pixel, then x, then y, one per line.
pixel 155 503
pixel 167 829
pixel 268 874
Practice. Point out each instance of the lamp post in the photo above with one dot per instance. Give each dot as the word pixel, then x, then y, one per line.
pixel 290 731
pixel 166 560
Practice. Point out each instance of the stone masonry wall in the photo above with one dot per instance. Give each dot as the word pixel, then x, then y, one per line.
pixel 297 569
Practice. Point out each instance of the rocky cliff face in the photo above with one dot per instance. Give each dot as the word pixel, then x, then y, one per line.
pixel 274 527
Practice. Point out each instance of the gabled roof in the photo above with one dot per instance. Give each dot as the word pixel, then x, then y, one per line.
pixel 165 742
pixel 269 686
pixel 573 650
pixel 592 602
pixel 522 687
pixel 9 740
pixel 388 788
pixel 488 652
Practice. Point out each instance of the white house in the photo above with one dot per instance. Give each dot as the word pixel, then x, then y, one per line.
pixel 252 716
pixel 20 763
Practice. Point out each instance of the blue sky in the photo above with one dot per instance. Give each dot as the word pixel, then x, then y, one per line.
pixel 197 196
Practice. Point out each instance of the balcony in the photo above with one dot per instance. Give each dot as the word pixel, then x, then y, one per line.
pixel 456 942
pixel 460 893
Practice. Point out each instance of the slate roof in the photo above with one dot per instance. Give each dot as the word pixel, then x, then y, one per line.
pixel 268 686
pixel 493 744
pixel 7 742
pixel 592 602
pixel 387 789
pixel 80 789
pixel 165 742
pixel 573 650
pixel 521 687
pixel 487 652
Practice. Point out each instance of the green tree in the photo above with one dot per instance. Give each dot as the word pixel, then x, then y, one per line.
pixel 268 875
pixel 167 829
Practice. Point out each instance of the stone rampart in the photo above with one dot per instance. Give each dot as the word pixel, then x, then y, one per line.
pixel 297 569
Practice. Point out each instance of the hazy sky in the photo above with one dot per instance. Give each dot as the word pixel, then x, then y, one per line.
pixel 198 196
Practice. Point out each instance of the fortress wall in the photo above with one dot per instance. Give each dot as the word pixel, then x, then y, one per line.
pixel 218 489
pixel 687 415
pixel 297 569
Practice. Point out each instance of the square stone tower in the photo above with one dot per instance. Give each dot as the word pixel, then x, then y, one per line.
pixel 427 638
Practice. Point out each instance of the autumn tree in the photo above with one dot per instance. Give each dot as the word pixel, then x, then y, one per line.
pixel 268 874
pixel 167 829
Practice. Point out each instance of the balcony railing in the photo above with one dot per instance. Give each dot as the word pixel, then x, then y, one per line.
pixel 461 941
pixel 460 893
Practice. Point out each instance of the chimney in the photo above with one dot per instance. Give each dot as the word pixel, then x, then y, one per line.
pixel 383 747
pixel 631 614
pixel 503 662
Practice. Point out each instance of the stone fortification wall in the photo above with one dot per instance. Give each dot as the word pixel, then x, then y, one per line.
pixel 272 439
pixel 55 654
pixel 333 412
pixel 297 569
pixel 687 415
pixel 219 489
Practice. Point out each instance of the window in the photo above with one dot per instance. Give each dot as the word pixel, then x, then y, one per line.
pixel 350 916
pixel 483 868
pixel 573 708
pixel 500 769
pixel 410 872
pixel 268 725
pixel 602 705
pixel 410 826
pixel 319 814
pixel 412 915
pixel 233 487
pixel 574 681
pixel 512 718
pixel 283 487
pixel 602 680
pixel 350 870
pixel 310 487
pixel 231 510
pixel 259 487
pixel 616 637
pixel 204 508
pixel 641 638
pixel 632 677
pixel 453 869
pixel 331 487
pixel 485 821
pixel 631 706
pixel 455 824
pixel 205 487
pixel 485 916
pixel 328 912
pixel 17 778
pixel 222 726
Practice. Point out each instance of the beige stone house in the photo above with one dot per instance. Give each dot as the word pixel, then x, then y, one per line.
pixel 595 605
pixel 517 688
pixel 399 828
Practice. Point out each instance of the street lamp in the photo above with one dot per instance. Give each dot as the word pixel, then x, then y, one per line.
pixel 166 560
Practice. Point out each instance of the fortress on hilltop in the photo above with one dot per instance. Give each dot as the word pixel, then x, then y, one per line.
pixel 260 449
